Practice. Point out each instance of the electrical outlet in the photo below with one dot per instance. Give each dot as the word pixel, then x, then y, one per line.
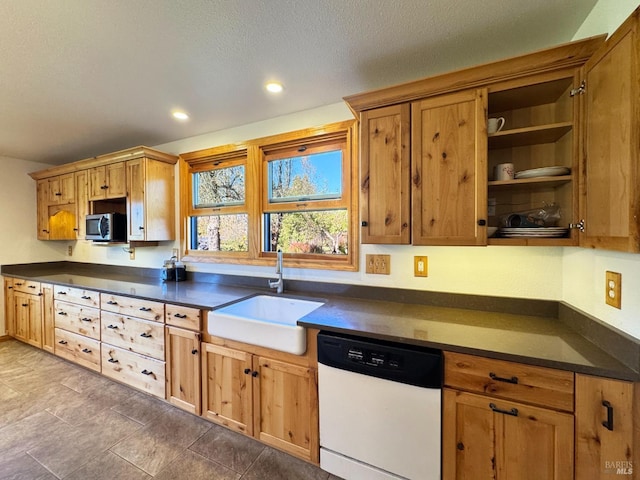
pixel 378 264
pixel 69 250
pixel 613 289
pixel 174 253
pixel 420 266
pixel 132 253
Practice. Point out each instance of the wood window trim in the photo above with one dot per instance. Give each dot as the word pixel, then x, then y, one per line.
pixel 255 200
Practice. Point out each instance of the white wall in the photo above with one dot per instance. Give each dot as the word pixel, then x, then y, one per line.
pixel 18 242
pixel 583 271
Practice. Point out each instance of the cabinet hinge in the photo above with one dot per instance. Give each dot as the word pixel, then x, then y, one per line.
pixel 580 90
pixel 579 225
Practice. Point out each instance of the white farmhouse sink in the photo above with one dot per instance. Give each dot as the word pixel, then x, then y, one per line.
pixel 264 320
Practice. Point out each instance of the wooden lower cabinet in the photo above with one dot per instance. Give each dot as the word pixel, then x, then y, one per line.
pixel 182 349
pixel 28 318
pixel 48 331
pixel 9 307
pixel 272 400
pixel 607 428
pixel 78 349
pixel 144 373
pixel 485 437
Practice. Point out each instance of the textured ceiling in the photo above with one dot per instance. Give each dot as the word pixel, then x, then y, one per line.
pixel 80 78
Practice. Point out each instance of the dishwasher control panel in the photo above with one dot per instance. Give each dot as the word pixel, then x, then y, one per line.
pixel 411 364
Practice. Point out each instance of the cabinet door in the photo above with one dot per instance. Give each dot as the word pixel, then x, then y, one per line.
pixel 48 331
pixel 62 189
pixel 183 368
pixel 606 451
pixel 286 407
pixel 227 389
pixel 485 437
pixel 28 318
pixel 135 200
pixel 21 315
pixel 9 307
pixel 449 173
pixel 43 209
pixel 115 179
pixel 609 194
pixel 384 175
pixel 82 202
pixel 97 183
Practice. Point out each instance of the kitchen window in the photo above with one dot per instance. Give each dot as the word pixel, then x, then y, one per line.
pixel 292 192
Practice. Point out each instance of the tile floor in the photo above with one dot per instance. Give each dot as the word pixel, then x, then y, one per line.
pixel 60 421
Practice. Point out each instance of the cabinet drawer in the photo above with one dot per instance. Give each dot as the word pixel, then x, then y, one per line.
pixel 185 317
pixel 78 349
pixel 133 307
pixel 139 336
pixel 26 286
pixel 536 385
pixel 77 319
pixel 88 298
pixel 136 370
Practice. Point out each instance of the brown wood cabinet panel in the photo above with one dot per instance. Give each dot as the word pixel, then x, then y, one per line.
pixel 610 198
pixel 9 307
pixel 107 181
pixel 79 296
pixel 82 202
pixel 78 349
pixel 183 369
pixel 485 437
pixel 62 189
pixel 286 407
pixel 48 333
pixel 133 334
pixel 185 317
pixel 78 319
pixel 525 383
pixel 227 389
pixel 138 371
pixel 449 169
pixel 133 307
pixel 385 192
pixel 607 451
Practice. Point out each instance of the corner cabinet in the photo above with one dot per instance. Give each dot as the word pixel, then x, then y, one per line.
pixel 571 131
pixel 610 191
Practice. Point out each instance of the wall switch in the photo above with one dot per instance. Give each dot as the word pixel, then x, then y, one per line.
pixel 613 289
pixel 420 267
pixel 132 253
pixel 378 264
pixel 69 250
pixel 174 253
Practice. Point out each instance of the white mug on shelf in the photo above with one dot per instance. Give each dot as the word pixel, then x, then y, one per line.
pixel 495 124
pixel 504 171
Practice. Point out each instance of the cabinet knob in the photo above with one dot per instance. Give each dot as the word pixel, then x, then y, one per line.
pixel 460 446
pixel 140 228
pixel 247 371
pixel 482 222
pixel 194 351
pixel 364 224
pixel 254 374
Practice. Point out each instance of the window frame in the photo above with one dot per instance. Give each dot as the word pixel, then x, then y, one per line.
pixel 257 153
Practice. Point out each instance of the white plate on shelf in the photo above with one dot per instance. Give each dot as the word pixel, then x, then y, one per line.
pixel 541 232
pixel 543 172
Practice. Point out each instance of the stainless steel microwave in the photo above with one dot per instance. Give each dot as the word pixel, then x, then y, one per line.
pixel 106 227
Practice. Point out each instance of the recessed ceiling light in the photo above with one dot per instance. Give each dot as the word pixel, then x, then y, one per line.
pixel 274 87
pixel 180 115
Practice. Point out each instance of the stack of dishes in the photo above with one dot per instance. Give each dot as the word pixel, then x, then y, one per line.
pixel 543 172
pixel 539 232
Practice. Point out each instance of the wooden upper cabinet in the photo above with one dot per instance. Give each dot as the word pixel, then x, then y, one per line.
pixel 384 175
pixel 43 209
pixel 82 202
pixel 107 181
pixel 62 189
pixel 610 194
pixel 449 173
pixel 150 200
pixel 607 428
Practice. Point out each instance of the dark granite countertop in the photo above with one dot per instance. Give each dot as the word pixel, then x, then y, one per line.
pixel 536 340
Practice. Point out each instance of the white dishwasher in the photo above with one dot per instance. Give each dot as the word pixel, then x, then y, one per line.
pixel 380 408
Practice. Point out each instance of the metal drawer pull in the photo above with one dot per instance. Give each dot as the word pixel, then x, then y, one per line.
pixel 64 314
pixel 25 304
pixel 113 327
pixel 85 319
pixel 19 284
pixel 62 342
pixel 145 335
pixel 32 286
pixel 513 380
pixel 146 372
pixel 513 412
pixel 112 360
pixel 145 309
pixel 62 293
pixel 86 350
pixel 84 297
pixel 111 302
pixel 609 423
pixel 178 315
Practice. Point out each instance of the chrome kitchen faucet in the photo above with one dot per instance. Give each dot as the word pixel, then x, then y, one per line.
pixel 278 284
